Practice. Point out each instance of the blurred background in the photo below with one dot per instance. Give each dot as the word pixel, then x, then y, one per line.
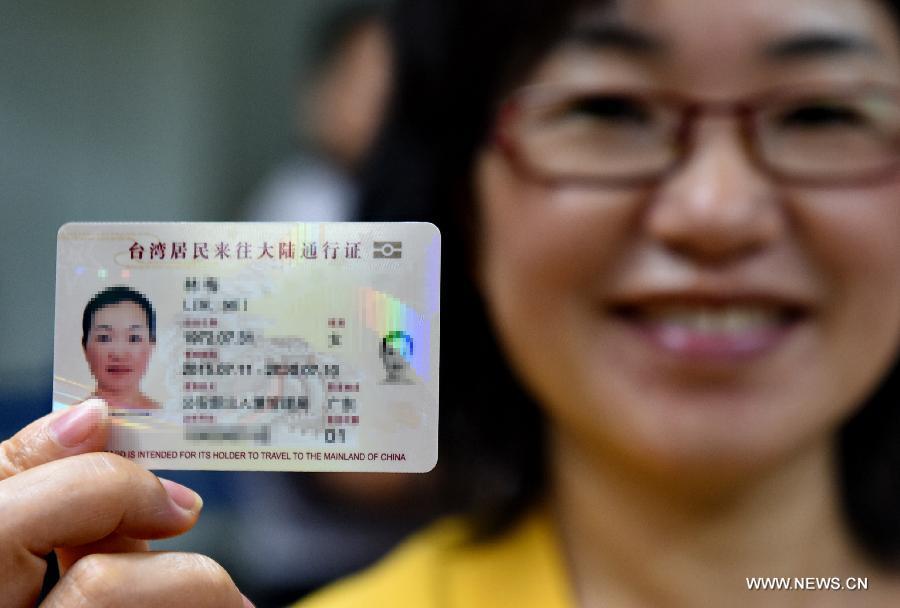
pixel 125 111
pixel 206 110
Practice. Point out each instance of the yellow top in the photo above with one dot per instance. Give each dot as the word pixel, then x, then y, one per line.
pixel 438 568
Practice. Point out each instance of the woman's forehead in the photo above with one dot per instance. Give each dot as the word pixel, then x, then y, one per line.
pixel 717 38
pixel 128 313
pixel 759 16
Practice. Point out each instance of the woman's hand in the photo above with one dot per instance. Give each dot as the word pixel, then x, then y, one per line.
pixel 59 491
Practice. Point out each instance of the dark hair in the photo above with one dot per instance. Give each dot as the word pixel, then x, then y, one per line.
pixel 116 295
pixel 454 61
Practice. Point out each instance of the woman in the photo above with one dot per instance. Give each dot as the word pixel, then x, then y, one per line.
pixel 681 222
pixel 118 337
pixel 675 212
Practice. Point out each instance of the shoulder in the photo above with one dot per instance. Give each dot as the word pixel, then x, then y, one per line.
pixel 406 577
pixel 442 566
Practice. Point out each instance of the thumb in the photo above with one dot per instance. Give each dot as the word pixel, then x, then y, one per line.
pixel 79 429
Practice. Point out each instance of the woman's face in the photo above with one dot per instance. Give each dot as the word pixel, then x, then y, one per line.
pixel 719 320
pixel 118 347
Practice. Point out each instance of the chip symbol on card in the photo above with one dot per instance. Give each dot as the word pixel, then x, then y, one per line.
pixel 388 249
pixel 258 361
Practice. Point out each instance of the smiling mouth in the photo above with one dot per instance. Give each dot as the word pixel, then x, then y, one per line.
pixel 118 370
pixel 713 329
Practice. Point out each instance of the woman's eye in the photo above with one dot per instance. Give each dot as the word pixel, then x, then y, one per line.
pixel 103 338
pixel 612 108
pixel 135 338
pixel 822 115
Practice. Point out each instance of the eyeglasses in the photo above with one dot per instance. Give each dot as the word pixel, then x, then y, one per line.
pixel 814 136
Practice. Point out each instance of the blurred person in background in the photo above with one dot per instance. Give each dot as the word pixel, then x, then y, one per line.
pixel 351 519
pixel 675 278
pixel 338 110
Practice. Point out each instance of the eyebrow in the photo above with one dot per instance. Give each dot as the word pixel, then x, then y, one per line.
pixel 614 36
pixel 602 35
pixel 811 45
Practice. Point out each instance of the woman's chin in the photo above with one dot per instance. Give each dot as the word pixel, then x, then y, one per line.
pixel 686 406
pixel 118 390
pixel 695 437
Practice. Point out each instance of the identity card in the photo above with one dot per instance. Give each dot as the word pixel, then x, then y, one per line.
pixel 254 346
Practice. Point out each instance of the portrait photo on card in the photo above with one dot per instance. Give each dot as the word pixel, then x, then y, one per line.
pixel 118 337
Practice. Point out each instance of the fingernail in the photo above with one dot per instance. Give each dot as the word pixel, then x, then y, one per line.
pixel 77 423
pixel 184 497
pixel 247 603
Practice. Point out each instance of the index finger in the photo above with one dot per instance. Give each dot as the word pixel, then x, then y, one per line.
pixel 79 429
pixel 78 501
pixel 86 498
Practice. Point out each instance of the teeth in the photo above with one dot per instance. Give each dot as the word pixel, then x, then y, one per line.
pixel 708 320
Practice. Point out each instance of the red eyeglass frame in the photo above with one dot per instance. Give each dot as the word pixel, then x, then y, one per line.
pixel 690 110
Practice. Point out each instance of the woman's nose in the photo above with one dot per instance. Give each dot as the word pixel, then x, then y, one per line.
pixel 117 349
pixel 717 206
